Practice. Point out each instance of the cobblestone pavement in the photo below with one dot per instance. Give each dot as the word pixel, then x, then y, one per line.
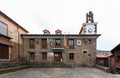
pixel 82 72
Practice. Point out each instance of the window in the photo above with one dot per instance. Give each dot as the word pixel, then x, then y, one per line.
pixel 71 56
pixel 84 51
pixel 32 43
pixel 44 56
pixel 3 29
pixel 71 43
pixel 44 43
pixel 32 56
pixel 57 42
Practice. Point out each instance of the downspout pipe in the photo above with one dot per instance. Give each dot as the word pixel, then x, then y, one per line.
pixel 18 43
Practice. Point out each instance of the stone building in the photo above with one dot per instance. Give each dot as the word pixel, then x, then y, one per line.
pixel 114 62
pixel 102 58
pixel 11 43
pixel 70 49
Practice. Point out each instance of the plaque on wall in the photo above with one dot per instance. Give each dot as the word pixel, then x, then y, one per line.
pixel 78 42
pixel 50 54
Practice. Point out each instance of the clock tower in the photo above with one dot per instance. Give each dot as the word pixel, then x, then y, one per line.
pixel 90 27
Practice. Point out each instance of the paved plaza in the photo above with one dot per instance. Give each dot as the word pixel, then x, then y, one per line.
pixel 82 72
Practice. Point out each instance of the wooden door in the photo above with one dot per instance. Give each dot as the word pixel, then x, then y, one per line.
pixel 4 52
pixel 57 56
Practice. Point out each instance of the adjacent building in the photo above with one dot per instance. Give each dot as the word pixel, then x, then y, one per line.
pixel 114 62
pixel 11 43
pixel 102 58
pixel 70 49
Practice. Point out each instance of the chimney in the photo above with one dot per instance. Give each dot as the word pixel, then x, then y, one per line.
pixel 58 32
pixel 46 32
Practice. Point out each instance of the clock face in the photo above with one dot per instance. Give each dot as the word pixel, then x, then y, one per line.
pixel 89 29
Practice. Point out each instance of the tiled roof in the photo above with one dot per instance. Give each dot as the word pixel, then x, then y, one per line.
pixel 103 54
pixel 116 48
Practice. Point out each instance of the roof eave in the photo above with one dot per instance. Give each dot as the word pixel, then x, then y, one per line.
pixel 13 21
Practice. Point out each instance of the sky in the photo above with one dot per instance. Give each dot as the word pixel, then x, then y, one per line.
pixel 68 16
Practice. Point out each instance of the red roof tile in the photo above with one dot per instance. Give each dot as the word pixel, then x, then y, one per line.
pixel 103 54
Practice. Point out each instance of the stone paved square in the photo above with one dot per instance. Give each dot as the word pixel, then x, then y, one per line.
pixel 82 72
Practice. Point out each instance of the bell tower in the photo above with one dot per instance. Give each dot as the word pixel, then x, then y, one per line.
pixel 90 27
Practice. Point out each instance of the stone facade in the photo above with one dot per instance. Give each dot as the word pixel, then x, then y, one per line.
pixel 10 37
pixel 114 62
pixel 84 49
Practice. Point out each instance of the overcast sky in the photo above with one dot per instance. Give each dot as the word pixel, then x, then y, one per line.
pixel 67 15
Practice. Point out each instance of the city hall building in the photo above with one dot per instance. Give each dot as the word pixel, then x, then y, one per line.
pixel 70 49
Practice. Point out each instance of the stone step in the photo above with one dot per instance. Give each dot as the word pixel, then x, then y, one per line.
pixel 51 65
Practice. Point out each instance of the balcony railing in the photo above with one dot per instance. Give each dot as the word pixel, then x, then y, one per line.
pixel 57 48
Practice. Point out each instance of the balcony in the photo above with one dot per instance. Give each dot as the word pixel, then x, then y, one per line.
pixel 57 48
